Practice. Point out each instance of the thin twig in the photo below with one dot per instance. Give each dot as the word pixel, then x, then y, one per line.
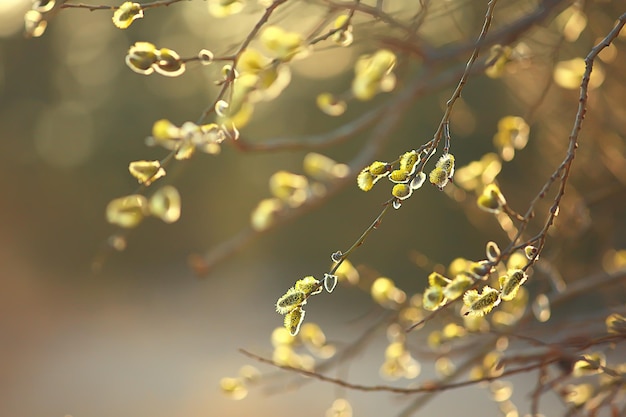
pixel 562 171
pixel 230 76
pixel 92 7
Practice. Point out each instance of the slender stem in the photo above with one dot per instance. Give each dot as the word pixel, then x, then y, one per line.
pixel 92 8
pixel 445 120
pixel 362 238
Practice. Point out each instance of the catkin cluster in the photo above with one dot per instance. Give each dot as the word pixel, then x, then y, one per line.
pixel 291 303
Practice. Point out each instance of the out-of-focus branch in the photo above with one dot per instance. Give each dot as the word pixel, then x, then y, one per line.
pixel 340 134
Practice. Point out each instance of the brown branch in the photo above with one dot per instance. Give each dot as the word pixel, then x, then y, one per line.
pixel 144 6
pixel 348 351
pixel 445 120
pixel 344 26
pixel 426 387
pixel 504 35
pixel 317 141
pixel 563 170
pixel 373 11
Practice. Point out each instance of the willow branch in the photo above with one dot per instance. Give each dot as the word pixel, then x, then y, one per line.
pixel 92 7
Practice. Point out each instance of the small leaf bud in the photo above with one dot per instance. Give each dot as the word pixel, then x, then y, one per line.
pixel 342 37
pixel 616 324
pixel 330 281
pixel 205 56
pixel 43 6
pixel 127 212
pixel 34 23
pixel 220 108
pixel 492 251
pixel 126 14
pixel 165 204
pixel 531 252
pixel 590 364
pixel 418 181
pixel 331 105
pixel 141 57
pixel 336 256
pixel 169 63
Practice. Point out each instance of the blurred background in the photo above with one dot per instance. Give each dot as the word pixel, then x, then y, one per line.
pixel 145 336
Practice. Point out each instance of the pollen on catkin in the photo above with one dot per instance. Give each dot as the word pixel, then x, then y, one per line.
pixel 399 176
pixel 446 162
pixel 409 161
pixel 438 177
pixel 483 303
pixel 309 285
pixel 291 300
pixel 401 191
pixel 377 168
pixel 511 282
pixel 365 180
pixel 371 174
pixel 443 171
pixel 293 320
